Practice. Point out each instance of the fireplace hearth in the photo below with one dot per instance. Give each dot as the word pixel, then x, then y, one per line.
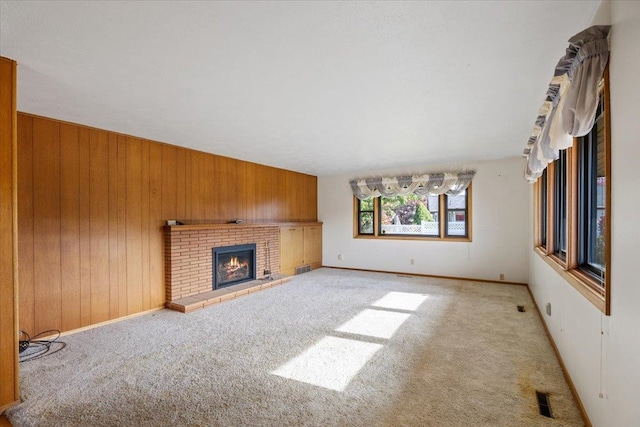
pixel 233 265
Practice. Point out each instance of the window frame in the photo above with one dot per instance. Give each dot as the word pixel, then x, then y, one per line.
pixel 560 207
pixel 595 291
pixel 442 213
pixel 541 200
pixel 359 216
pixel 446 211
pixel 587 159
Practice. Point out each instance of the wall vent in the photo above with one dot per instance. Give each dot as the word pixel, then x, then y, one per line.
pixel 303 269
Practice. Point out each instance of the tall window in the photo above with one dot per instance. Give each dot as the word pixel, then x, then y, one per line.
pixel 365 216
pixel 592 185
pixel 577 187
pixel 456 207
pixel 412 216
pixel 560 206
pixel 542 234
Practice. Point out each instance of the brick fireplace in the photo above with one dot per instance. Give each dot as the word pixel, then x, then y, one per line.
pixel 189 254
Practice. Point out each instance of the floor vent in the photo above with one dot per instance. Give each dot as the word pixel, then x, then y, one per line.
pixel 303 269
pixel 543 404
pixel 521 308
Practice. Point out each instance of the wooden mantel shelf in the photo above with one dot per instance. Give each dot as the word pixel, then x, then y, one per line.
pixel 187 225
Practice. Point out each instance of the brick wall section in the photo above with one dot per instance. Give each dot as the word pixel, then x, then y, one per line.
pixel 188 254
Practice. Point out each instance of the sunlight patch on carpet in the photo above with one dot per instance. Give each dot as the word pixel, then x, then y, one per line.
pixel 374 323
pixel 331 363
pixel 400 301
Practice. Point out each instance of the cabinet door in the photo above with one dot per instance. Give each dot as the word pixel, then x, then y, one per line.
pixel 291 249
pixel 313 245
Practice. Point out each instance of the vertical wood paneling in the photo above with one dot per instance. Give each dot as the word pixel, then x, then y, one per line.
pixel 100 200
pixel 233 189
pixel 46 224
pixel 291 201
pixel 156 220
pixel 26 292
pixel 260 192
pixel 133 223
pixel 276 190
pixel 286 203
pixel 211 183
pixel 99 224
pixel 197 211
pixel 122 232
pixel 188 186
pixel 248 194
pixel 221 180
pixel 114 288
pixel 144 225
pixel 169 186
pixel 9 384
pixel 84 154
pixel 70 226
pixel 181 173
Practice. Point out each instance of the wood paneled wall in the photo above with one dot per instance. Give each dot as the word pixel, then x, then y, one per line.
pixel 9 393
pixel 92 205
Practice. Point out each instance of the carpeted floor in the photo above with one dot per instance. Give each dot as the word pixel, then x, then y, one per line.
pixel 329 348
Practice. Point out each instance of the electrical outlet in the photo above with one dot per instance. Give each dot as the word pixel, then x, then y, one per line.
pixel 501 276
pixel 413 261
pixel 340 257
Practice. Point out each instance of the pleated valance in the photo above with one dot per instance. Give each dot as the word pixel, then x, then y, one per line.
pixel 421 185
pixel 571 101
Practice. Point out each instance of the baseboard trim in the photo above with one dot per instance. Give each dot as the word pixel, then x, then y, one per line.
pixel 106 322
pixel 567 377
pixel 7 406
pixel 468 279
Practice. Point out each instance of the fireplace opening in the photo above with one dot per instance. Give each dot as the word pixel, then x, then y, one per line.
pixel 233 265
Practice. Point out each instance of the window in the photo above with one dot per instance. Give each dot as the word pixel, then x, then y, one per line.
pixel 365 216
pixel 560 206
pixel 542 234
pixel 456 207
pixel 592 184
pixel 413 216
pixel 573 203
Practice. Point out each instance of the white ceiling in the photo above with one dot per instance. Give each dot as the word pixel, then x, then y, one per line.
pixel 316 87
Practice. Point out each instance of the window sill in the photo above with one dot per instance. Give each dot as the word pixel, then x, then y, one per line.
pixel 425 238
pixel 579 280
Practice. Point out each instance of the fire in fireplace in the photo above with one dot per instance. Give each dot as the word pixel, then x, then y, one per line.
pixel 233 265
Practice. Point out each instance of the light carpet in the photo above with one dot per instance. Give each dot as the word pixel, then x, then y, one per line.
pixel 329 348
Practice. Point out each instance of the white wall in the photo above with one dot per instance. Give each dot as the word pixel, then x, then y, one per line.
pixel 606 367
pixel 500 237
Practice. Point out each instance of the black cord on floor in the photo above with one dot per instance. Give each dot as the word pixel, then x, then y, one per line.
pixel 31 348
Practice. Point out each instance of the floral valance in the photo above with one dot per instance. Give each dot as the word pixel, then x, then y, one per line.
pixel 571 101
pixel 421 185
